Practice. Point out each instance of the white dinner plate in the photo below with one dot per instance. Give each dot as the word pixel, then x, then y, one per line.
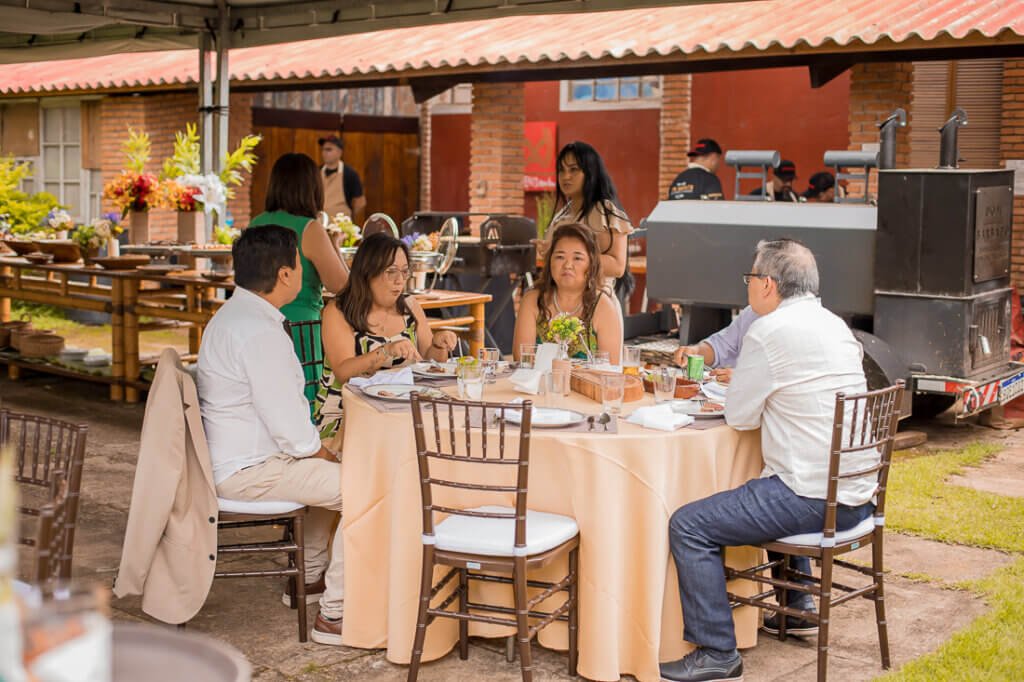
pixel 429 370
pixel 401 392
pixel 693 408
pixel 547 417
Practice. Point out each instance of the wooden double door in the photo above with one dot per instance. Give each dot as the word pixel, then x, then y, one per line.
pixel 384 150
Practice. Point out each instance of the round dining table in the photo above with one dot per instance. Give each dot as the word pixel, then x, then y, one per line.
pixel 621 486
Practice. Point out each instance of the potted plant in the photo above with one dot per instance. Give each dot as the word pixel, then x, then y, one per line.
pixel 134 191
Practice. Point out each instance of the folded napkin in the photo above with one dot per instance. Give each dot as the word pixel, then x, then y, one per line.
pixel 527 380
pixel 546 353
pixel 715 391
pixel 388 376
pixel 660 417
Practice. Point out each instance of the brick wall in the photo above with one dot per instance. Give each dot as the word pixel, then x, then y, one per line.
pixel 425 141
pixel 161 116
pixel 496 163
pixel 675 128
pixel 1011 147
pixel 875 91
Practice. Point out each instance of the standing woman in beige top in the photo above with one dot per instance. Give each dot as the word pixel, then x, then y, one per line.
pixel 587 195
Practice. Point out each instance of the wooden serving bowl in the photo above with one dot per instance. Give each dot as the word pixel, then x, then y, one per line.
pixel 685 388
pixel 39 258
pixel 63 250
pixel 20 246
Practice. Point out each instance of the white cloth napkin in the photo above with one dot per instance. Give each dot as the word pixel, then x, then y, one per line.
pixel 660 417
pixel 527 380
pixel 715 391
pixel 387 376
pixel 546 353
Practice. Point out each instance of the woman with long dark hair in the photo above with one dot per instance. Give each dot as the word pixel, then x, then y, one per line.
pixel 372 325
pixel 294 197
pixel 586 195
pixel 570 284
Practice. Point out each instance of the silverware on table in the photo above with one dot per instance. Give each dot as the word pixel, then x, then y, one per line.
pixel 604 419
pixel 590 422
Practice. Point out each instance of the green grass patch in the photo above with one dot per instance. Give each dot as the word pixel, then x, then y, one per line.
pixel 922 501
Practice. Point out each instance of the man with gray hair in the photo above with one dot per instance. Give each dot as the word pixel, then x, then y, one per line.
pixel 795 357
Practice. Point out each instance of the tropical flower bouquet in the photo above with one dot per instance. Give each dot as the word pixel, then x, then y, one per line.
pixel 134 189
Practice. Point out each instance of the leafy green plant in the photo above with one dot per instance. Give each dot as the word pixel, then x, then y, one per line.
pixel 185 159
pixel 241 159
pixel 20 212
pixel 136 150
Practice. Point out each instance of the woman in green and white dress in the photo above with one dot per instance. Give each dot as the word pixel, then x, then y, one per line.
pixel 372 325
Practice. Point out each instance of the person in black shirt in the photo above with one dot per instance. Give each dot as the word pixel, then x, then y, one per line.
pixel 781 188
pixel 699 181
pixel 821 188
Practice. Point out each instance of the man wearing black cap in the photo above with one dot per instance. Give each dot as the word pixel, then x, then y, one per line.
pixel 343 190
pixel 820 189
pixel 781 188
pixel 699 181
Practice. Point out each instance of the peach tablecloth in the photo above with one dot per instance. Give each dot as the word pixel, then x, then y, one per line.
pixel 620 488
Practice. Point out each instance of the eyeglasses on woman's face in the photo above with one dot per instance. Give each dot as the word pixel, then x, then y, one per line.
pixel 396 275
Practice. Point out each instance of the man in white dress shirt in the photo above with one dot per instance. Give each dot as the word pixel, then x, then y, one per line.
pixel 795 357
pixel 256 417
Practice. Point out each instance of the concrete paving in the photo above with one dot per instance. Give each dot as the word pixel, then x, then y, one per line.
pixel 248 613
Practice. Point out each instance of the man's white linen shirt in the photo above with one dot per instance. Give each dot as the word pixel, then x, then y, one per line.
pixel 251 388
pixel 793 362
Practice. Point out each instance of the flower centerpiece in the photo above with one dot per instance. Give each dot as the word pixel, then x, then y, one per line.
pixel 60 223
pixel 425 257
pixel 98 233
pixel 422 242
pixel 134 191
pixel 192 193
pixel 226 236
pixel 349 233
pixel 566 330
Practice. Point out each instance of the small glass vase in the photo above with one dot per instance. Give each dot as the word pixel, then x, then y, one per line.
pixel 563 350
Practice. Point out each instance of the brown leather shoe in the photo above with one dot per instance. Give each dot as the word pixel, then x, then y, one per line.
pixel 326 631
pixel 313 593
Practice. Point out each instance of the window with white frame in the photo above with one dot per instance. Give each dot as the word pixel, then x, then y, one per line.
pixel 631 92
pixel 456 100
pixel 59 170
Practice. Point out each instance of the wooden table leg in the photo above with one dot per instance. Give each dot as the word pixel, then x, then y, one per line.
pixel 5 301
pixel 476 329
pixel 194 304
pixel 117 338
pixel 131 339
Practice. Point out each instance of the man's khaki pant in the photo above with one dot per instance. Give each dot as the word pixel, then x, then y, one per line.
pixel 311 481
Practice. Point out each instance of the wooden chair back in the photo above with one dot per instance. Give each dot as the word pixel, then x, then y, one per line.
pixel 454 424
pixel 41 447
pixel 306 336
pixel 862 422
pixel 55 525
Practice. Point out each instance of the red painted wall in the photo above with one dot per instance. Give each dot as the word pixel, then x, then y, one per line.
pixel 777 110
pixel 449 162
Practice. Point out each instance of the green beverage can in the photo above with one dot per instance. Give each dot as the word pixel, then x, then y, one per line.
pixel 695 367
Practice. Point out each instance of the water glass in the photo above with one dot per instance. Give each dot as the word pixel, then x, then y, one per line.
pixel 631 360
pixel 612 388
pixel 527 355
pixel 489 358
pixel 600 358
pixel 664 380
pixel 470 380
pixel 554 386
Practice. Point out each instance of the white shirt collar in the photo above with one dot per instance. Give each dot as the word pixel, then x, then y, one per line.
pixel 258 303
pixel 797 299
pixel 694 164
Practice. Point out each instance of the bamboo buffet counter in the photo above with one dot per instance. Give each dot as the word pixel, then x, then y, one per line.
pixel 185 298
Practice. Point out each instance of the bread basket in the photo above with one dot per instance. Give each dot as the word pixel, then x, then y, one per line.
pixel 41 345
pixel 7 327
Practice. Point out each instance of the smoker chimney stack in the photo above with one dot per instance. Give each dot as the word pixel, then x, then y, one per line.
pixel 949 151
pixel 887 138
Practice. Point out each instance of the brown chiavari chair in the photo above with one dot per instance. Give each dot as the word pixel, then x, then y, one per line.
pixel 862 422
pixel 53 531
pixel 41 447
pixel 309 348
pixel 483 540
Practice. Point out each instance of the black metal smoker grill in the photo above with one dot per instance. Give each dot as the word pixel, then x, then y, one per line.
pixel 923 277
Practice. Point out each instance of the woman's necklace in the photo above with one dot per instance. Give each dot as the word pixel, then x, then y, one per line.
pixel 574 311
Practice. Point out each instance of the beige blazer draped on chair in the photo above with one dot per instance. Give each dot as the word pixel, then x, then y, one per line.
pixel 170 544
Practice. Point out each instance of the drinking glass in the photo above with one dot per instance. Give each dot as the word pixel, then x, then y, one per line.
pixel 612 388
pixel 555 387
pixel 470 380
pixel 664 380
pixel 489 358
pixel 631 362
pixel 527 355
pixel 600 358
pixel 68 625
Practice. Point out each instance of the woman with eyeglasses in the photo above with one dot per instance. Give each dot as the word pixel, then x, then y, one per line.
pixel 372 325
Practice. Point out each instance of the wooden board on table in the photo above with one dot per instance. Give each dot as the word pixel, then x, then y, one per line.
pixel 587 382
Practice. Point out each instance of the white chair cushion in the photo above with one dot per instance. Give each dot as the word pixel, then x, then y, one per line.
pixel 814 539
pixel 262 507
pixel 496 537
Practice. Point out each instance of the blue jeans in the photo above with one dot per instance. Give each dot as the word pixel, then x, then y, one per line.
pixel 761 510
